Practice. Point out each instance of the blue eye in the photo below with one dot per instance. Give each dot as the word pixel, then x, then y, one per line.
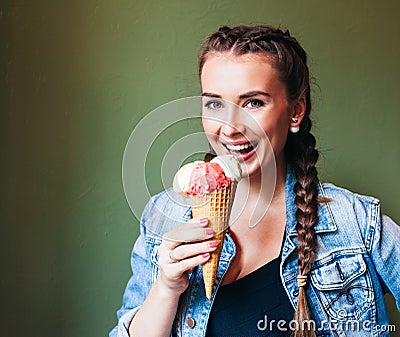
pixel 213 105
pixel 254 104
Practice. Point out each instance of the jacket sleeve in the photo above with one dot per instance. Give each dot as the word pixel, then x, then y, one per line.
pixel 138 285
pixel 385 253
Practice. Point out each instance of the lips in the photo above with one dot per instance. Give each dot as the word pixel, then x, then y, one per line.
pixel 241 149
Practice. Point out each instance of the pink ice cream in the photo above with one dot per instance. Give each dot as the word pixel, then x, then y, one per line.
pixel 207 177
pixel 199 178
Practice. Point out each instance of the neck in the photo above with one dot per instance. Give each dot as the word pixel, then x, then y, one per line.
pixel 256 194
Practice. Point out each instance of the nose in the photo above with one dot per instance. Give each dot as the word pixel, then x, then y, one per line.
pixel 231 122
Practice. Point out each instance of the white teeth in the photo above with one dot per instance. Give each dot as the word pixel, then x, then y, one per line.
pixel 237 147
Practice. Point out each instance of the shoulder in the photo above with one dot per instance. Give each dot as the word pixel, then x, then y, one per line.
pixel 163 212
pixel 352 212
pixel 343 197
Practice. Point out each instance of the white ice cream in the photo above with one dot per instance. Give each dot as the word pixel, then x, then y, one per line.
pixel 181 182
pixel 230 165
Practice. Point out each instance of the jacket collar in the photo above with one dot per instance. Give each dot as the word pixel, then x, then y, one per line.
pixel 325 222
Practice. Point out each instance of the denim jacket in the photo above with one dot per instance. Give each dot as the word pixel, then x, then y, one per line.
pixel 357 262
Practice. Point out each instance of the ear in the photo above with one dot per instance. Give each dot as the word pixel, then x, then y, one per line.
pixel 297 111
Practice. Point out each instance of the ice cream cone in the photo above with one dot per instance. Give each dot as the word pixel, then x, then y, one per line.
pixel 215 206
pixel 211 187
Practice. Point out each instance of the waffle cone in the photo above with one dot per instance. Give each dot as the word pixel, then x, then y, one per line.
pixel 215 206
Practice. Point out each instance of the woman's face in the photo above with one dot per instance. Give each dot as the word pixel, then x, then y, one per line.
pixel 251 83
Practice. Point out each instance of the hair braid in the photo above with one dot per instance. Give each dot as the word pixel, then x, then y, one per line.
pixel 290 59
pixel 304 157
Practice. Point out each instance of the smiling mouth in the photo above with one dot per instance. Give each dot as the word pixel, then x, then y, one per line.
pixel 241 149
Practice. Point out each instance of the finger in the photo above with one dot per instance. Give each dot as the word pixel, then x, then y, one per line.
pixel 176 270
pixel 189 250
pixel 192 236
pixel 201 221
pixel 188 232
pixel 193 262
pixel 190 224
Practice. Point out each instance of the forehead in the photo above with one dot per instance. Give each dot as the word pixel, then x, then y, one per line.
pixel 238 73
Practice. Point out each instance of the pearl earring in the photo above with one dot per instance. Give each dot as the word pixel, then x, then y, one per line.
pixel 294 129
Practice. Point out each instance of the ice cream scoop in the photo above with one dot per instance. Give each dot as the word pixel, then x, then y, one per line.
pixel 230 165
pixel 181 182
pixel 199 177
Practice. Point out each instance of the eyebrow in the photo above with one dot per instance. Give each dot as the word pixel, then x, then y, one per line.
pixel 245 95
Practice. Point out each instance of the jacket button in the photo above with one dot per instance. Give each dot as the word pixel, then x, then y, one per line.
pixel 190 322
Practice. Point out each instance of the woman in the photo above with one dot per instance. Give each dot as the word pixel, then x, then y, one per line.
pixel 321 255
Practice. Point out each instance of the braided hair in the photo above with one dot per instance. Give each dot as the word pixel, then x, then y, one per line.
pixel 290 59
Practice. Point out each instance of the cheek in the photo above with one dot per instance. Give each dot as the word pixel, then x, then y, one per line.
pixel 209 126
pixel 276 131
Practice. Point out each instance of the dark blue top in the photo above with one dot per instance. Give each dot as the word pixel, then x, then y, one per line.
pixel 247 306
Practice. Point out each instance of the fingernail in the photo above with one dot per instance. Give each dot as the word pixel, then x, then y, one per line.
pixel 203 220
pixel 209 231
pixel 205 255
pixel 213 244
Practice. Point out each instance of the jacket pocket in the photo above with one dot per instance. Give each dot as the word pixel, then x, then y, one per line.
pixel 344 286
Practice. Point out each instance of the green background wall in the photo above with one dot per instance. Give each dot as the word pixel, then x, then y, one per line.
pixel 75 78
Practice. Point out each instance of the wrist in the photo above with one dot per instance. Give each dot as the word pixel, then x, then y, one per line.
pixel 165 292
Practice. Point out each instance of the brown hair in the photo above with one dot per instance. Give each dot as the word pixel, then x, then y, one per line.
pixel 290 59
